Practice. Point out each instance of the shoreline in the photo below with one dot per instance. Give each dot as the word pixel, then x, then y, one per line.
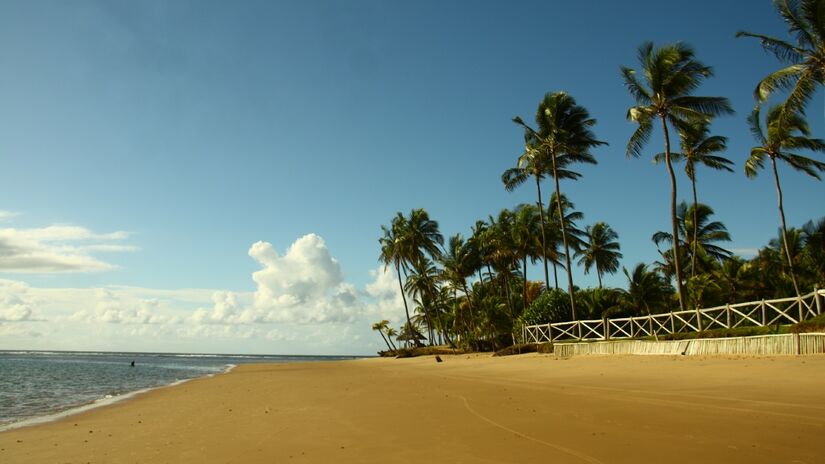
pixel 469 408
pixel 100 403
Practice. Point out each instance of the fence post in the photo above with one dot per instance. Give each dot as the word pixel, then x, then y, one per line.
pixel 606 322
pixel 727 310
pixel 699 319
pixel 550 332
pixel 650 324
pixel 672 323
pixel 764 320
pixel 818 301
pixel 799 303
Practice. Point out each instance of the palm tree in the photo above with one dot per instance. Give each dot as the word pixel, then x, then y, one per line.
pixel 699 237
pixel 564 133
pixel 670 75
pixel 645 290
pixel 422 237
pixel 698 148
pixel 394 252
pixel 381 327
pixel 422 285
pixel 534 162
pixel 785 132
pixel 524 232
pixel 806 59
pixel 814 236
pixel 601 249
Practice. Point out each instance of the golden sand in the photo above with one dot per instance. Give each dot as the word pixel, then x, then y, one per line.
pixel 473 409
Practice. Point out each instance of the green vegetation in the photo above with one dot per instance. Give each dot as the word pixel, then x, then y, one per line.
pixel 474 293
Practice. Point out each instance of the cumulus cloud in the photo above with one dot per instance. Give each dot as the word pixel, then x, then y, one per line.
pixel 56 249
pixel 305 285
pixel 15 302
pixel 111 308
pixel 387 302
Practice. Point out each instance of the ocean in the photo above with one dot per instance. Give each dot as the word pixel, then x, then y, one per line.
pixel 37 386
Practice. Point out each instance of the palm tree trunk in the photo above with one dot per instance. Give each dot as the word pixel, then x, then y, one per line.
pixel 404 297
pixel 556 275
pixel 472 312
pixel 784 227
pixel 599 275
pixel 385 339
pixel 391 343
pixel 543 239
pixel 676 260
pixel 564 238
pixel 524 274
pixel 695 226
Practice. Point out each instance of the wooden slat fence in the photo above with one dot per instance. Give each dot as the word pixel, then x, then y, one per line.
pixel 783 344
pixel 754 313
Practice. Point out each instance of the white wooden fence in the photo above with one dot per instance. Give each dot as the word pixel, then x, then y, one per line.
pixel 783 344
pixel 754 313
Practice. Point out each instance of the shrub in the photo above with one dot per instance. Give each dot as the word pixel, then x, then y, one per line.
pixel 551 306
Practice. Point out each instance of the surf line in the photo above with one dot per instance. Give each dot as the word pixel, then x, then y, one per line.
pixel 569 451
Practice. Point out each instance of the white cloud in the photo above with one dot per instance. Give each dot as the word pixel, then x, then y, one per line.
pixel 56 248
pixel 15 302
pixel 112 308
pixel 387 302
pixel 305 285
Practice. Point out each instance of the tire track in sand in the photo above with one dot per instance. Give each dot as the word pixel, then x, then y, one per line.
pixel 571 452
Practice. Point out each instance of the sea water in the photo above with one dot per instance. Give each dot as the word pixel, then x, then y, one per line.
pixel 39 385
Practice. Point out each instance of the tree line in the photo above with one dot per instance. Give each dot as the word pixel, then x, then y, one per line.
pixel 475 292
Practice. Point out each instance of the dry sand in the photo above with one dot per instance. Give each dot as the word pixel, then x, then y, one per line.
pixel 475 409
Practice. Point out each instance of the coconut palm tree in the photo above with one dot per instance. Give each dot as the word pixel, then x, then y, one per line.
pixel 381 327
pixel 395 252
pixel 698 148
pixel 525 231
pixel 534 162
pixel 601 249
pixel 814 236
pixel 698 237
pixel 670 74
pixel 422 285
pixel 646 290
pixel 565 134
pixel 805 60
pixel 785 132
pixel 422 237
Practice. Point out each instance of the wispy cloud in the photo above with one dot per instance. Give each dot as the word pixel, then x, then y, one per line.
pixel 57 249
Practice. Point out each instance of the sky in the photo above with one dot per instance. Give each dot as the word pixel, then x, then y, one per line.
pixel 207 176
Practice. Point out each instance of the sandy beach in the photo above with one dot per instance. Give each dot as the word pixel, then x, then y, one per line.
pixel 529 408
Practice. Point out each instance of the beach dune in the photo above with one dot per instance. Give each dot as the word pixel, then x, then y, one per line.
pixel 467 409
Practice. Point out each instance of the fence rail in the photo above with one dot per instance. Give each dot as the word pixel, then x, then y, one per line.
pixel 754 313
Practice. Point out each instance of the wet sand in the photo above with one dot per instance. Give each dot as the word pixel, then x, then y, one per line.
pixel 473 409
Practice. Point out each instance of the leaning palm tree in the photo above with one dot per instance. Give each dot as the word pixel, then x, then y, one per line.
pixel 394 252
pixel 805 60
pixel 698 148
pixel 381 327
pixel 785 132
pixel 601 250
pixel 564 132
pixel 670 75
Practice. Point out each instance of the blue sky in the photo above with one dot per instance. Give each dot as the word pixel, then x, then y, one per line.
pixel 193 130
